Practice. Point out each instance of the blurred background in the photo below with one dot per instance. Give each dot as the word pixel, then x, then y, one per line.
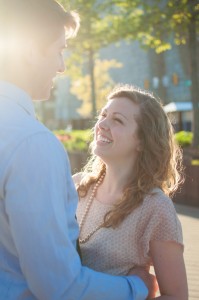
pixel 150 44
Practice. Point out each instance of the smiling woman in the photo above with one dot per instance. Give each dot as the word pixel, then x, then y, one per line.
pixel 125 215
pixel 116 127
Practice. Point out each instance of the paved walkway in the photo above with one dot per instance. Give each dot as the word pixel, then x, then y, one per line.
pixel 189 218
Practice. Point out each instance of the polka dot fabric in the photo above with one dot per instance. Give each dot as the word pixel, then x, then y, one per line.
pixel 116 251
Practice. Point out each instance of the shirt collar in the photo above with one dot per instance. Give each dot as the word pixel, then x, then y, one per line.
pixel 18 96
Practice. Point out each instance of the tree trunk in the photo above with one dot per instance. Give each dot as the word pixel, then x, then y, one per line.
pixel 194 78
pixel 157 67
pixel 92 78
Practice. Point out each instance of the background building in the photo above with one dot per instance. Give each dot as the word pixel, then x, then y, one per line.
pixel 166 74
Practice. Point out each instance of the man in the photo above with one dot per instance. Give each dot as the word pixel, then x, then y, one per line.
pixel 38 231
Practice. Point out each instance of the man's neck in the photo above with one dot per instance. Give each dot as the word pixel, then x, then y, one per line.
pixel 18 82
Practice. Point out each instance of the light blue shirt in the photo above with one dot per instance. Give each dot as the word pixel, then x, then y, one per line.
pixel 38 230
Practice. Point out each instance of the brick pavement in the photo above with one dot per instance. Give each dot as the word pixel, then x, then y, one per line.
pixel 189 217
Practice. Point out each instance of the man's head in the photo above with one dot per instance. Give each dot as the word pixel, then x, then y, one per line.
pixel 32 36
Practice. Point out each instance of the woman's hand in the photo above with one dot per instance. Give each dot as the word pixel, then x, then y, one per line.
pixel 149 280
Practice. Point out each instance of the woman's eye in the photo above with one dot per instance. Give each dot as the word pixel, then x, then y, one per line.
pixel 118 120
pixel 101 116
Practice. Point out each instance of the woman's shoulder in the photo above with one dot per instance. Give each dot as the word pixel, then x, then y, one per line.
pixel 157 200
pixel 158 221
pixel 77 177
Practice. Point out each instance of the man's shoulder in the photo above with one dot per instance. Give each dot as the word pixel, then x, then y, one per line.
pixel 37 133
pixel 21 130
pixel 33 127
pixel 26 134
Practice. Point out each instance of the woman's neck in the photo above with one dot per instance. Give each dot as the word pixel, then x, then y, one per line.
pixel 111 189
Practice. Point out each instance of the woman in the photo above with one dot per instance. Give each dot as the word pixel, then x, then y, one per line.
pixel 125 215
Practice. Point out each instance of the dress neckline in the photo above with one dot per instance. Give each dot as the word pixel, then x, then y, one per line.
pixel 101 203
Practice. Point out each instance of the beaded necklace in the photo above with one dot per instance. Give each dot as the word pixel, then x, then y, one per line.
pixel 88 205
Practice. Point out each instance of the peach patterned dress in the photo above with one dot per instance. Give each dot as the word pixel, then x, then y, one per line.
pixel 115 251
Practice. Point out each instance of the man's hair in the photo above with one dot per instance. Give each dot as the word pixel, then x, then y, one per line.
pixel 41 20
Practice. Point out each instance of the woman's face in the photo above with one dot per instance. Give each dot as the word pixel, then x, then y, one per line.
pixel 116 131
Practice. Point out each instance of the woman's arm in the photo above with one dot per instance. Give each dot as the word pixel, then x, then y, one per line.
pixel 170 270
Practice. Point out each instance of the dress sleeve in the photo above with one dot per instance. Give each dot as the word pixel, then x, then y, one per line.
pixel 159 222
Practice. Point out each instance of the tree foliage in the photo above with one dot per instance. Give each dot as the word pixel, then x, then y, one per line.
pixel 158 24
pixel 157 20
pixel 104 83
pixel 92 36
pixel 154 23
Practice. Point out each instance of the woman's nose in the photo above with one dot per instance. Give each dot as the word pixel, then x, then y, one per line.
pixel 104 124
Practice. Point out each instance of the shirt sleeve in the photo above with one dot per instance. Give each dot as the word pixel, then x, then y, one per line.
pixel 41 213
pixel 159 222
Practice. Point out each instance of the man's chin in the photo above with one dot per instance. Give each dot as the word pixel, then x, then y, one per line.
pixel 40 100
pixel 42 97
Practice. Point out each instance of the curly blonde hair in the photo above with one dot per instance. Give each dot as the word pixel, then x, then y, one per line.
pixel 159 163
